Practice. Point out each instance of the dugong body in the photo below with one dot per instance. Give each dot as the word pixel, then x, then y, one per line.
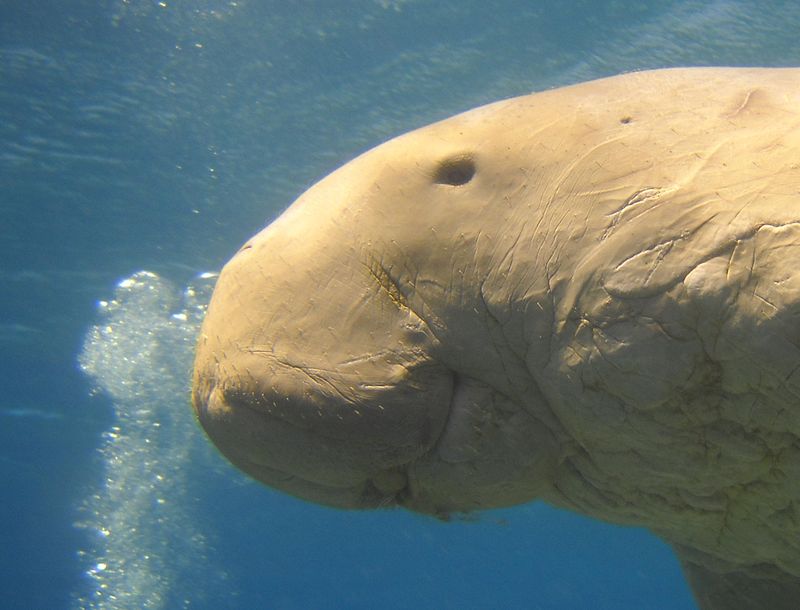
pixel 588 296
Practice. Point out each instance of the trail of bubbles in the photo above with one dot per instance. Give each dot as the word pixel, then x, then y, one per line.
pixel 145 540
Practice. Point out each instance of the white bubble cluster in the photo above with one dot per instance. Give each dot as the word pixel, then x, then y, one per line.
pixel 145 541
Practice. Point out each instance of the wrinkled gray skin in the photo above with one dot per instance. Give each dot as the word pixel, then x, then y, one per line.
pixel 588 296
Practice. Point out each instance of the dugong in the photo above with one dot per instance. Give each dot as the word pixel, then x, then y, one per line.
pixel 588 296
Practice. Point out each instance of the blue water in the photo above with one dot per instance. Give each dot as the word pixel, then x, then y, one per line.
pixel 143 135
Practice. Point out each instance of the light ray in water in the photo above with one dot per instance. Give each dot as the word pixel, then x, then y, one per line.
pixel 29 413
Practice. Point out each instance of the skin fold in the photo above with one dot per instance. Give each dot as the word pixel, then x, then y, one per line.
pixel 588 296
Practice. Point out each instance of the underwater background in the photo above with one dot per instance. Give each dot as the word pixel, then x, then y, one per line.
pixel 141 143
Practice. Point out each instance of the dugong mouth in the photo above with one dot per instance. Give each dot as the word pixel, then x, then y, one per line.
pixel 334 436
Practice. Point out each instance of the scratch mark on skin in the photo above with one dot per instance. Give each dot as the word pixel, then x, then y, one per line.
pixel 378 354
pixel 792 372
pixel 662 248
pixel 646 195
pixel 386 283
pixel 569 172
pixel 318 377
pixel 743 105
pixel 507 261
pixel 729 271
pixel 765 301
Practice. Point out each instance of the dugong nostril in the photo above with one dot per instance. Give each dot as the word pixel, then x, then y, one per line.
pixel 455 171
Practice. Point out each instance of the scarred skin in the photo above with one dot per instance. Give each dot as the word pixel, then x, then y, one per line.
pixel 588 296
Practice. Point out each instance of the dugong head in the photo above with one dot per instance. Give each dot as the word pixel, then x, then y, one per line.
pixel 531 299
pixel 349 355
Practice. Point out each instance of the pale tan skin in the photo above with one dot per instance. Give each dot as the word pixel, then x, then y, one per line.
pixel 588 296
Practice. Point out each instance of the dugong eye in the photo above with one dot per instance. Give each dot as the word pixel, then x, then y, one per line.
pixel 455 171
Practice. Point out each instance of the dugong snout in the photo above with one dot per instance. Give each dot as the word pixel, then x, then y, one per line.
pixel 268 433
pixel 267 391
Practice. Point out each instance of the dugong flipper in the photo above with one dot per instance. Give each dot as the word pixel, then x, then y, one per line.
pixel 589 296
